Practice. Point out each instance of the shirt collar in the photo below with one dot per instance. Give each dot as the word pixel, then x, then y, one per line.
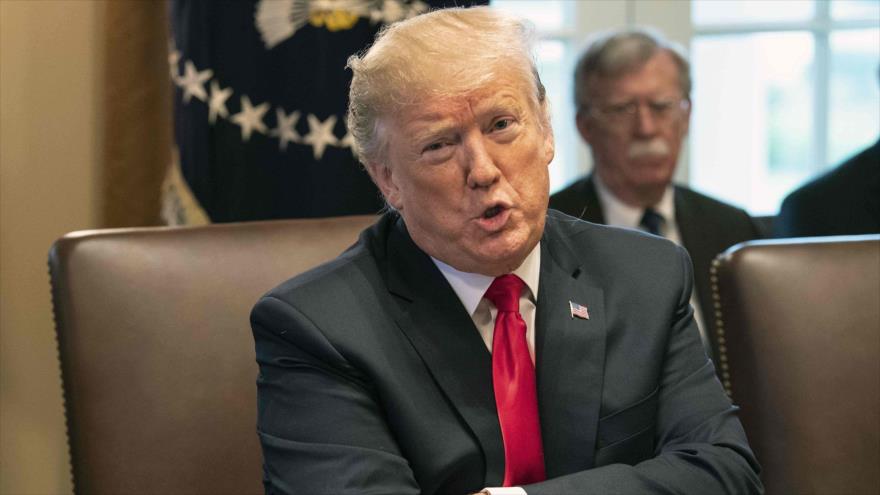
pixel 470 287
pixel 623 215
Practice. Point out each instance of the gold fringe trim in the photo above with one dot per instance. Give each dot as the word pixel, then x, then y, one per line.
pixel 179 204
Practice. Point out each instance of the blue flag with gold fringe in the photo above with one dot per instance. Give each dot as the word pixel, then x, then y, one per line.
pixel 260 97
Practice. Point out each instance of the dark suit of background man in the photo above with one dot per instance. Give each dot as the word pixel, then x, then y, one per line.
pixel 632 91
pixel 471 338
pixel 844 201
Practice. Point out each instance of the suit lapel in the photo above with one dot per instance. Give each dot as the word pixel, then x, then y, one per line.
pixel 692 228
pixel 692 224
pixel 570 358
pixel 592 207
pixel 445 337
pixel 684 217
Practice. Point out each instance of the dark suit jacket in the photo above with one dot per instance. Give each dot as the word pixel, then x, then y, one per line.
pixel 707 226
pixel 845 201
pixel 374 380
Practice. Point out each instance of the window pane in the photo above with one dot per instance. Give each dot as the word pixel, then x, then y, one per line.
pixel 750 11
pixel 752 117
pixel 554 57
pixel 555 70
pixel 854 103
pixel 547 15
pixel 855 10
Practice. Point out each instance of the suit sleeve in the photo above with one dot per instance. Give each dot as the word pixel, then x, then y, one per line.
pixel 799 218
pixel 700 446
pixel 320 427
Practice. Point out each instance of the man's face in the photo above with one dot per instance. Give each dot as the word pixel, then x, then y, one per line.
pixel 469 176
pixel 635 129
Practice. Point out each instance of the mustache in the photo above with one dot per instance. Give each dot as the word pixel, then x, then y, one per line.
pixel 654 148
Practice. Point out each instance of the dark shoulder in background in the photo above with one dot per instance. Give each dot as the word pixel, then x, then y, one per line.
pixel 844 201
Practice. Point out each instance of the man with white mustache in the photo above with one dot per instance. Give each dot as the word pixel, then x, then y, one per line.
pixel 632 91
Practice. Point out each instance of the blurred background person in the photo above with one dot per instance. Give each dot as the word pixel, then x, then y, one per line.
pixel 632 92
pixel 844 201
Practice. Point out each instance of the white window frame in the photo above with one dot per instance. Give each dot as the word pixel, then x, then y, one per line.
pixel 820 27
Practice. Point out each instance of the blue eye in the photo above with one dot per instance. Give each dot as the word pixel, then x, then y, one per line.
pixel 500 125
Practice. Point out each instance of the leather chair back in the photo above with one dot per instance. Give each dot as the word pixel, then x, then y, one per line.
pixel 156 351
pixel 800 339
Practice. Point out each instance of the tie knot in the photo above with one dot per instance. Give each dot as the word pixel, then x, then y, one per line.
pixel 652 221
pixel 504 292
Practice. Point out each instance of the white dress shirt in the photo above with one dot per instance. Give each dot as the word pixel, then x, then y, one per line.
pixel 470 288
pixel 620 214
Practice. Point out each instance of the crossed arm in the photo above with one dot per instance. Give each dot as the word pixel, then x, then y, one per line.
pixel 324 428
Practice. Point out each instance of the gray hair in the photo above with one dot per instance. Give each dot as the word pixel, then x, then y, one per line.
pixel 615 53
pixel 443 53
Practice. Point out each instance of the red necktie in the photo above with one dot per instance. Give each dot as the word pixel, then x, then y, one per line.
pixel 513 376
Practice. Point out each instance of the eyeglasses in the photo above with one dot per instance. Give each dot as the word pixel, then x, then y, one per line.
pixel 625 114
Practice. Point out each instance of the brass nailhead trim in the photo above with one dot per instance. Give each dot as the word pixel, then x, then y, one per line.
pixel 719 325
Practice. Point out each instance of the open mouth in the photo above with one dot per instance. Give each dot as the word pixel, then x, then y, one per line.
pixel 495 217
pixel 492 211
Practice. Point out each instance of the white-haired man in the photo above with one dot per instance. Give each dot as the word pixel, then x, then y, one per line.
pixel 470 340
pixel 632 91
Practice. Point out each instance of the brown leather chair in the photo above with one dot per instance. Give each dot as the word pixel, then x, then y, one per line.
pixel 156 351
pixel 800 335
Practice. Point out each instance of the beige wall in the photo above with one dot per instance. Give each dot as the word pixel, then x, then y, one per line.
pixel 50 68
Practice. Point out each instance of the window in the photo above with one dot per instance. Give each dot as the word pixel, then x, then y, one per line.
pixel 783 90
pixel 562 27
pixel 554 27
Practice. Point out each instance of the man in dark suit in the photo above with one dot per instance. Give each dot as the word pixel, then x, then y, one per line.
pixel 632 91
pixel 471 340
pixel 844 201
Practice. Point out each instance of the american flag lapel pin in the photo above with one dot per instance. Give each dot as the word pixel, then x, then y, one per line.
pixel 578 311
